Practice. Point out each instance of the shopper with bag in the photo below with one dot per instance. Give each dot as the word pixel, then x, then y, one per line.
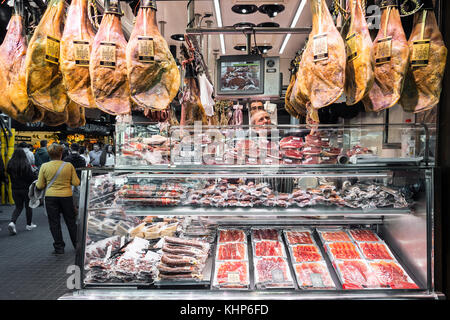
pixel 58 177
pixel 22 176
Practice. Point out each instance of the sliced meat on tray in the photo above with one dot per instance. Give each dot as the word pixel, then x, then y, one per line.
pixel 392 275
pixel 274 271
pixel 269 248
pixel 232 251
pixel 332 236
pixel 343 250
pixel 313 275
pixel 232 274
pixel 299 237
pixel 375 251
pixel 363 235
pixel 232 235
pixel 356 274
pixel 265 234
pixel 305 253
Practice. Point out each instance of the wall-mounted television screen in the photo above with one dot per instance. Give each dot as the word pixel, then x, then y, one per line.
pixel 240 75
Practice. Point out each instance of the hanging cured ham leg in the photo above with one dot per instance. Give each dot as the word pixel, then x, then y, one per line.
pixel 153 74
pixel 43 76
pixel 359 70
pixel 321 73
pixel 75 115
pixel 191 107
pixel 76 45
pixel 423 84
pixel 391 60
pixel 13 91
pixel 107 67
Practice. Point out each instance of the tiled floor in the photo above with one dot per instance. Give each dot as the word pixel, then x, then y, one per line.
pixel 28 269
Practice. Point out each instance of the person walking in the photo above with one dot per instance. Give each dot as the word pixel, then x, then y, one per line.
pixel 22 176
pixel 85 154
pixel 58 177
pixel 107 159
pixel 29 154
pixel 75 158
pixel 95 156
pixel 41 155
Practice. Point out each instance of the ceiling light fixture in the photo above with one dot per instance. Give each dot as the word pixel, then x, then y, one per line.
pixel 244 25
pixel 264 48
pixel 272 10
pixel 177 37
pixel 219 24
pixel 244 8
pixel 293 24
pixel 269 25
pixel 240 48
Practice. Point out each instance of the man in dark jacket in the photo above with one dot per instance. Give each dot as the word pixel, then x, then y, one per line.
pixel 41 155
pixel 75 159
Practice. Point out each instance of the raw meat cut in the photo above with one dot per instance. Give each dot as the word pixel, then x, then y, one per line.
pixel 232 251
pixel 343 250
pixel 391 274
pixel 359 70
pixel 265 234
pixel 76 43
pixel 305 253
pixel 107 68
pixel 292 153
pixel 232 235
pixel 268 249
pixel 44 79
pixel 391 52
pixel 299 237
pixel 311 150
pixel 331 152
pixel 13 91
pixel 332 236
pixel 318 271
pixel 273 272
pixel 321 73
pixel 152 72
pixel 75 115
pixel 54 119
pixel 363 235
pixel 356 274
pixel 375 250
pixel 291 142
pixel 423 83
pixel 232 274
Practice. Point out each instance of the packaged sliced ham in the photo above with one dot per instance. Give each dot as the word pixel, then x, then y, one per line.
pixel 232 251
pixel 375 251
pixel 298 236
pixel 265 234
pixel 333 235
pixel 231 275
pixel 342 251
pixel 272 272
pixel 305 253
pixel 232 235
pixel 392 275
pixel 313 275
pixel 365 235
pixel 268 248
pixel 356 274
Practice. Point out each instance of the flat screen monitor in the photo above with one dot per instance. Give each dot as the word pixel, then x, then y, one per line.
pixel 240 75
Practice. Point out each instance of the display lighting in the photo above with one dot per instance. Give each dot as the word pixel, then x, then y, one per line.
pixel 272 10
pixel 244 8
pixel 219 24
pixel 299 11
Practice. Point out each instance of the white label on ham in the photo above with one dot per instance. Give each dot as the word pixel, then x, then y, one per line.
pixel 233 277
pixel 352 46
pixel 81 53
pixel 384 51
pixel 420 53
pixel 52 50
pixel 320 47
pixel 108 54
pixel 146 50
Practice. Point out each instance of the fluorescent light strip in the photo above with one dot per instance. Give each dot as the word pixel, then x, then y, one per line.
pixel 219 24
pixel 300 8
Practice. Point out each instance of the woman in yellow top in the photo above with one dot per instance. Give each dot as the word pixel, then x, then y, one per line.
pixel 58 197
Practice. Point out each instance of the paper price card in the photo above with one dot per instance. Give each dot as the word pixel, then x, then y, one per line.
pixel 146 49
pixel 277 275
pixel 233 277
pixel 384 51
pixel 81 53
pixel 320 47
pixel 316 280
pixel 352 45
pixel 420 53
pixel 52 50
pixel 108 54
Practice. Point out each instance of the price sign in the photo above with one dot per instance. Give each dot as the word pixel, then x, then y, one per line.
pixel 320 47
pixel 52 50
pixel 316 280
pixel 108 54
pixel 352 46
pixel 277 275
pixel 146 49
pixel 384 51
pixel 81 53
pixel 420 53
pixel 233 277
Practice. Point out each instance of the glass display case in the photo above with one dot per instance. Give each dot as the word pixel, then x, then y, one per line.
pixel 273 231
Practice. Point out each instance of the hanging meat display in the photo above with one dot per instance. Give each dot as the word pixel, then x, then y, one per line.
pixel 191 107
pixel 13 92
pixel 390 54
pixel 423 83
pixel 152 72
pixel 54 119
pixel 107 67
pixel 43 76
pixel 75 115
pixel 359 70
pixel 321 74
pixel 76 45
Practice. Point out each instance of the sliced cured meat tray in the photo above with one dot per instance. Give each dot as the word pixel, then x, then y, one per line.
pixel 342 251
pixel 232 235
pixel 356 274
pixel 298 237
pixel 365 235
pixel 268 248
pixel 305 253
pixel 272 272
pixel 390 274
pixel 313 275
pixel 375 251
pixel 333 235
pixel 265 234
pixel 232 251
pixel 231 275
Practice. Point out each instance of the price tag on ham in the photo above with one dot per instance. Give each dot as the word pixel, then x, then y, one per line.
pixel 320 47
pixel 81 53
pixel 352 46
pixel 384 51
pixel 52 50
pixel 420 53
pixel 146 49
pixel 233 277
pixel 108 54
